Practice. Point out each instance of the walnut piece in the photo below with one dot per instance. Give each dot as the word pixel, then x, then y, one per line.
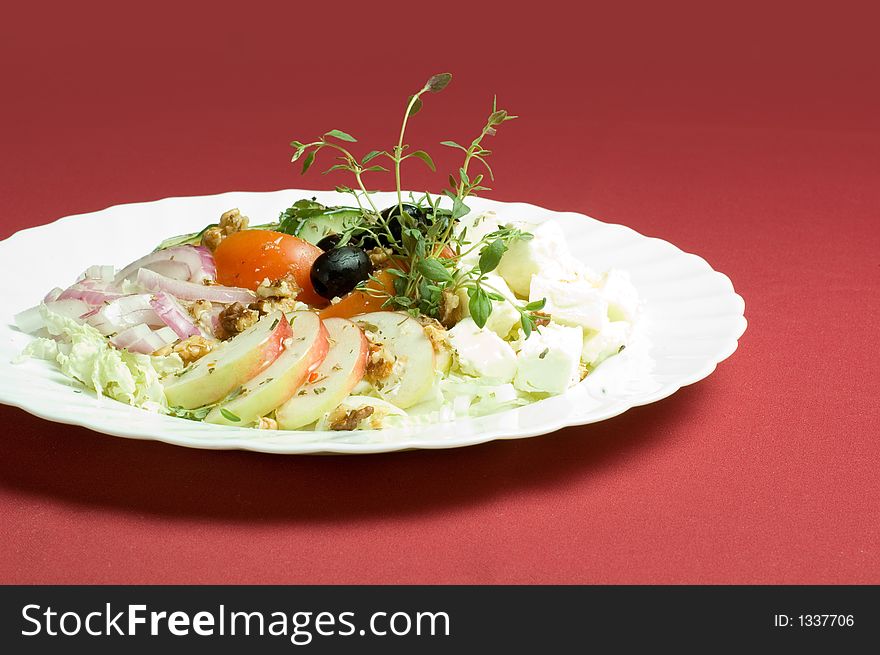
pixel 230 222
pixel 237 318
pixel 198 308
pixel 342 419
pixel 541 318
pixel 285 287
pixel 451 308
pixel 266 423
pixel 268 305
pixel 436 333
pixel 380 364
pixel 380 256
pixel 193 348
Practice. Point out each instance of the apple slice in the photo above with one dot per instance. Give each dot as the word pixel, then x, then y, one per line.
pixel 230 365
pixel 334 379
pixel 401 362
pixel 303 353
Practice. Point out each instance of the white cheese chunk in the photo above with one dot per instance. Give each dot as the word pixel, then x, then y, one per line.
pixel 504 315
pixel 475 227
pixel 481 352
pixel 602 345
pixel 575 303
pixel 623 300
pixel 546 253
pixel 548 361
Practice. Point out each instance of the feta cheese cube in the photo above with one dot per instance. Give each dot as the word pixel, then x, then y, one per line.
pixel 575 303
pixel 623 300
pixel 477 226
pixel 548 361
pixel 504 315
pixel 546 253
pixel 602 345
pixel 481 352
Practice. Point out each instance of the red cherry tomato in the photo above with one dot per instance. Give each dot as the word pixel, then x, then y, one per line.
pixel 246 258
pixel 358 302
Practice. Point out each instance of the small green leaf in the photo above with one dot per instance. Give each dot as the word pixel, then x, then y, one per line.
pixel 308 161
pixel 425 157
pixel 459 209
pixel 497 117
pixel 479 306
pixel 453 144
pixel 526 324
pixel 336 167
pixel 395 272
pixel 491 255
pixel 229 416
pixel 377 168
pixel 495 296
pixel 536 306
pixel 416 106
pixel 342 136
pixel 434 270
pixel 464 176
pixel 370 155
pixel 438 82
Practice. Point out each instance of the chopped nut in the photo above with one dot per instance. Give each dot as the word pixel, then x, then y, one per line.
pixel 266 423
pixel 285 287
pixel 451 308
pixel 212 237
pixel 236 319
pixel 164 351
pixel 268 305
pixel 230 222
pixel 541 318
pixel 583 370
pixel 193 348
pixel 379 364
pixel 341 419
pixel 380 256
pixel 199 307
pixel 436 333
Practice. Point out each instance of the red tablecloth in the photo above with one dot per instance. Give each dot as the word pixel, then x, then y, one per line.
pixel 749 137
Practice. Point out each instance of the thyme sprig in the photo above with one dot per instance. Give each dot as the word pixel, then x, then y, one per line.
pixel 427 271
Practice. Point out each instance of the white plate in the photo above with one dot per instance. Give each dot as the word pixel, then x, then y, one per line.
pixel 692 320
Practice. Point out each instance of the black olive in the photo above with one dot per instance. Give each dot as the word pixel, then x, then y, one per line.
pixel 392 217
pixel 338 271
pixel 329 242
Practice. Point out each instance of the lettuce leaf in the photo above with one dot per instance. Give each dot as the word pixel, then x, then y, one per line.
pixel 86 356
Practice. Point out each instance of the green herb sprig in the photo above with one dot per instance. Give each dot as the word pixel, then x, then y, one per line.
pixel 428 253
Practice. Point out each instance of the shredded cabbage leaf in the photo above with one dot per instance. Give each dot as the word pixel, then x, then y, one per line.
pixel 85 355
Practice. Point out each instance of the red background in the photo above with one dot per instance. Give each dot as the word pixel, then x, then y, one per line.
pixel 747 135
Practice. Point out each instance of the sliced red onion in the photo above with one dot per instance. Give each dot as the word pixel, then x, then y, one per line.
pixel 167 335
pixel 149 344
pixel 124 312
pixel 53 294
pixel 89 294
pixel 193 291
pixel 197 260
pixel 209 322
pixel 130 336
pixel 31 320
pixel 175 316
pixel 102 273
pixel 170 268
pixel 141 339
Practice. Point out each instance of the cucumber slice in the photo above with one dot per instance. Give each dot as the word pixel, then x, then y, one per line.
pixel 333 221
